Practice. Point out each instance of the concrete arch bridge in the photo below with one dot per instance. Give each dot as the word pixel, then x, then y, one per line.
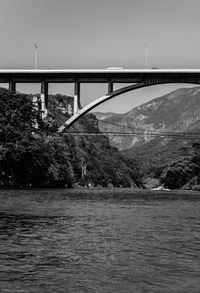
pixel 138 78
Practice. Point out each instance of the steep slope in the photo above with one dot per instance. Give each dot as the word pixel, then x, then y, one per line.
pixel 34 154
pixel 178 111
pixel 155 155
pixel 93 159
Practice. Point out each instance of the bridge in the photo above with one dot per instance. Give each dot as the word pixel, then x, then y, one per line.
pixel 138 78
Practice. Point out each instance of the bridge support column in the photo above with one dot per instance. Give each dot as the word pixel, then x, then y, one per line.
pixel 12 86
pixel 77 104
pixel 44 98
pixel 110 87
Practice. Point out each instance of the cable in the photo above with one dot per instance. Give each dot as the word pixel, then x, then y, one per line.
pixel 140 129
pixel 137 132
pixel 174 135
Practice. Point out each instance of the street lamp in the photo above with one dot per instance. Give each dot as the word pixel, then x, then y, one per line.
pixel 146 55
pixel 36 55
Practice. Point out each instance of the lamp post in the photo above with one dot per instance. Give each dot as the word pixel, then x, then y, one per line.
pixel 36 55
pixel 146 55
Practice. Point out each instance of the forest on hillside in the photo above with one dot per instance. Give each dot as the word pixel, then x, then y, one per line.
pixel 183 173
pixel 174 165
pixel 34 154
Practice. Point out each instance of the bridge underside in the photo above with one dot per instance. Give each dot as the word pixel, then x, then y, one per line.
pixel 138 79
pixel 79 112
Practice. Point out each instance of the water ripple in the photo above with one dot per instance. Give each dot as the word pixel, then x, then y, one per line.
pixel 57 243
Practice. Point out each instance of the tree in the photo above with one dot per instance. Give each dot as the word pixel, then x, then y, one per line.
pixel 179 173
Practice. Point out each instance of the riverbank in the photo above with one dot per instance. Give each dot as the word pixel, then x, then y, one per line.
pixel 106 193
pixel 130 193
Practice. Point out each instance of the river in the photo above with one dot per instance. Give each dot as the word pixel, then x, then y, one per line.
pixel 99 241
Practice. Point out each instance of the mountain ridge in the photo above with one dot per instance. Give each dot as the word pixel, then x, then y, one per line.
pixel 177 111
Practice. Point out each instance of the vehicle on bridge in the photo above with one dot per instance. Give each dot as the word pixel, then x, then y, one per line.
pixel 115 68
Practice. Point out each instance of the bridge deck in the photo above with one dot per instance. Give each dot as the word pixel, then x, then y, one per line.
pixel 94 75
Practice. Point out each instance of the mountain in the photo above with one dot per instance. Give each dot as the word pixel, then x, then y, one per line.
pixel 102 116
pixel 167 157
pixel 178 111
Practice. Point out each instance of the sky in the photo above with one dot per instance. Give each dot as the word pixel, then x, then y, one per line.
pixel 99 34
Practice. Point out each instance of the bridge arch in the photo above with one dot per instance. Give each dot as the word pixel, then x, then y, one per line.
pixel 113 94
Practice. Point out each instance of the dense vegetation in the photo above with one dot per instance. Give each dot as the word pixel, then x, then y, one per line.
pixel 183 173
pixel 33 154
pixel 171 162
pixel 154 156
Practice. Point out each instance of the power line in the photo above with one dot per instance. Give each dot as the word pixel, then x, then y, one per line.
pixel 141 129
pixel 161 134
pixel 136 132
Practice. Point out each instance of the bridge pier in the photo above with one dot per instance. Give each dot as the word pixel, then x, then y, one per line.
pixel 12 86
pixel 110 87
pixel 77 103
pixel 138 78
pixel 44 98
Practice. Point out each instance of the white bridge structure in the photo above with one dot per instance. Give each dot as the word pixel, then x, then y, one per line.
pixel 137 78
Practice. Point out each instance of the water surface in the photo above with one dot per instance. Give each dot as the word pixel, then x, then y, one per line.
pixel 57 241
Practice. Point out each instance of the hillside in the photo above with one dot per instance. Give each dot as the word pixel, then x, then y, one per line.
pixel 178 111
pixel 155 155
pixel 175 112
pixel 34 154
pixel 102 116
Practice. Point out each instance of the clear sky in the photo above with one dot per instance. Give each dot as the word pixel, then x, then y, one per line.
pixel 101 34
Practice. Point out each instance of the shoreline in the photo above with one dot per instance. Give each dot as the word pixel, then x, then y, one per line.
pixel 106 193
